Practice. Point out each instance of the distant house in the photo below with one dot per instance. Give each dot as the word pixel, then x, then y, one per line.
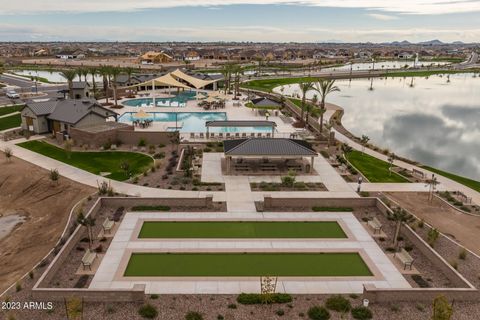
pixel 152 57
pixel 61 115
pixel 81 90
pixel 192 56
pixel 68 56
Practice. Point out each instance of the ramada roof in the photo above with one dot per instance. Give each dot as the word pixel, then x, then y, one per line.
pixel 268 147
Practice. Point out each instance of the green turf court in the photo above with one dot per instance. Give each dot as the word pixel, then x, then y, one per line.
pixel 241 229
pixel 329 264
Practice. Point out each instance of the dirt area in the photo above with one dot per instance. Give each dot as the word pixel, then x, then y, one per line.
pixel 26 191
pixel 461 227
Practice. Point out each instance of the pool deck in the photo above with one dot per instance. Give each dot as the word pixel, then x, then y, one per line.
pixel 110 272
pixel 233 113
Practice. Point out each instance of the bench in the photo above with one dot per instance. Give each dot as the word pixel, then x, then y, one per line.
pixel 405 258
pixel 88 258
pixel 375 225
pixel 108 225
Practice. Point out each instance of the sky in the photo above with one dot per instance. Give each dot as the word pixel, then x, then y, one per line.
pixel 240 20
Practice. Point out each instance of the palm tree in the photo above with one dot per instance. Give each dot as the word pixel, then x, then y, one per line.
pixel 129 71
pixel 114 73
pixel 324 88
pixel 105 72
pixel 364 140
pixel 391 159
pixel 93 71
pixel 79 72
pixel 399 216
pixel 226 76
pixel 310 107
pixel 69 75
pixel 305 87
pixel 236 70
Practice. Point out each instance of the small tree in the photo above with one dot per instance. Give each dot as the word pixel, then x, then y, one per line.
pixel 289 180
pixel 346 149
pixel 8 154
pixel 442 309
pixel 54 175
pixel 391 159
pixel 364 140
pixel 399 216
pixel 87 222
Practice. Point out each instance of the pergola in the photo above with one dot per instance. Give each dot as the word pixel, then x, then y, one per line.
pixel 240 123
pixel 265 148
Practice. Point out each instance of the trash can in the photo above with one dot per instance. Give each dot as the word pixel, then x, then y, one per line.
pixel 365 302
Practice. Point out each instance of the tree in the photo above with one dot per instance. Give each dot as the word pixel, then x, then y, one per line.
pixel 289 180
pixel 54 175
pixel 114 73
pixel 69 75
pixel 8 154
pixel 391 158
pixel 324 88
pixel 87 222
pixel 129 71
pixel 226 75
pixel 305 87
pixel 105 72
pixel 68 148
pixel 2 68
pixel 236 71
pixel 442 309
pixel 310 107
pixel 364 140
pixel 93 71
pixel 399 216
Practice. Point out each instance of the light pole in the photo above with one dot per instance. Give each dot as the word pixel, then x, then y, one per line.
pixel 360 180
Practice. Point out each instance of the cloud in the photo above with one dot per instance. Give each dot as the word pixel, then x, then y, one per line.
pixel 383 17
pixel 397 6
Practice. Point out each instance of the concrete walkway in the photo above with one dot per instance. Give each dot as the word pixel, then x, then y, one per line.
pixel 445 183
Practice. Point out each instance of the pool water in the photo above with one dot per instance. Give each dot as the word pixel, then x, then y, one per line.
pixel 192 121
pixel 178 100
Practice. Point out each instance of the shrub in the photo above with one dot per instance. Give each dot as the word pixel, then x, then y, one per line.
pixel 154 296
pixel 148 311
pixel 421 224
pixel 280 312
pixel 220 317
pixel 454 264
pixel 318 313
pixel 338 303
pixel 159 155
pixel 192 315
pixel 30 274
pixel 232 306
pixel 288 181
pixel 462 255
pixel 255 298
pixel 18 286
pixel 422 283
pixel 151 208
pixel 361 313
pixel 142 142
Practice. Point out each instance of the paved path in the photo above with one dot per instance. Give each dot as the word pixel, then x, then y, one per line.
pixel 445 183
pixel 395 187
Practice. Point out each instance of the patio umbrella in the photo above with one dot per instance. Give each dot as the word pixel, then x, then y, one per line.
pixel 210 99
pixel 200 96
pixel 141 115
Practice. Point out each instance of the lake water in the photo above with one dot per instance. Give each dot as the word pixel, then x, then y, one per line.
pixel 435 121
pixel 381 65
pixel 54 76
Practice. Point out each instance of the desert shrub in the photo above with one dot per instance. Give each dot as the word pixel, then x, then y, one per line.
pixel 361 313
pixel 151 208
pixel 256 298
pixel 462 255
pixel 192 315
pixel 148 311
pixel 338 303
pixel 142 142
pixel 280 312
pixel 422 283
pixel 159 155
pixel 232 306
pixel 318 313
pixel 154 296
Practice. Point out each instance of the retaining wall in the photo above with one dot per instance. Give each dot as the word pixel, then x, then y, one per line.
pixel 271 203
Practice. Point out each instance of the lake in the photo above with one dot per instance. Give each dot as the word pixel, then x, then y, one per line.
pixel 383 65
pixel 434 120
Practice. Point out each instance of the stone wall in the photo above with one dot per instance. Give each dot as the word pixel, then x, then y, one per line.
pixel 128 202
pixel 271 203
pixel 150 137
pixel 379 295
pixel 96 139
pixel 137 293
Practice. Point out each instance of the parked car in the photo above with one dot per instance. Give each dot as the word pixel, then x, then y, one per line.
pixel 12 94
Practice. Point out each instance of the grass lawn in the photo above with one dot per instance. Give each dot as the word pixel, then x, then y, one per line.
pixel 241 229
pixel 94 162
pixel 268 84
pixel 329 264
pixel 475 185
pixel 373 169
pixel 10 122
pixel 10 109
pixel 426 73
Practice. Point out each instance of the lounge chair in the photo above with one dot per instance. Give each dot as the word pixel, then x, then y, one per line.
pixel 237 135
pixel 252 135
pixel 192 135
pixel 212 135
pixel 227 135
pixel 201 135
pixel 259 135
pixel 244 135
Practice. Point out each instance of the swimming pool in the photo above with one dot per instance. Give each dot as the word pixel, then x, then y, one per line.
pixel 178 100
pixel 192 121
